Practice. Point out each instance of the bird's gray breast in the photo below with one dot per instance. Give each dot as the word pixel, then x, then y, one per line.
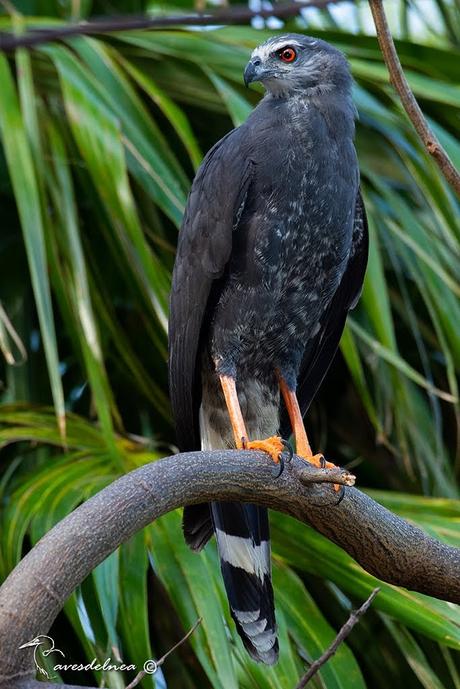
pixel 292 242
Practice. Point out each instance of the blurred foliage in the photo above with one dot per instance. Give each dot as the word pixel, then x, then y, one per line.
pixel 100 138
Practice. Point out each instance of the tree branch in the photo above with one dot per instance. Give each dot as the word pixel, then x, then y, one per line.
pixel 384 544
pixel 341 636
pixel 228 16
pixel 412 108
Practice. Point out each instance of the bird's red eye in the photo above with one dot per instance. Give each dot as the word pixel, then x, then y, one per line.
pixel 287 54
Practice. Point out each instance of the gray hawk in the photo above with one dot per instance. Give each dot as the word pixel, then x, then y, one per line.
pixel 270 259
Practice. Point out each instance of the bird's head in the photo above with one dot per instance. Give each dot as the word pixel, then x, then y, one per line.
pixel 294 64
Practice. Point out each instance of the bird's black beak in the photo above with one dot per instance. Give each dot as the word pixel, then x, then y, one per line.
pixel 251 72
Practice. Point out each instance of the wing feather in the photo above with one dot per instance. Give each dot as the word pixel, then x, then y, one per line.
pixel 213 209
pixel 320 354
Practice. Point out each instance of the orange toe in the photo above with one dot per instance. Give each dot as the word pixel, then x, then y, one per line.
pixel 319 461
pixel 336 486
pixel 273 446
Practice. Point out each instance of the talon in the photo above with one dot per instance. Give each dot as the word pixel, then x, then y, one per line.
pixel 320 461
pixel 281 469
pixel 244 442
pixel 288 447
pixel 342 493
pixel 337 486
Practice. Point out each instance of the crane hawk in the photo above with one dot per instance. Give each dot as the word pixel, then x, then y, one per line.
pixel 271 257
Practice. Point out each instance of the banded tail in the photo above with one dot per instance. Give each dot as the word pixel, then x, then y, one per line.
pixel 243 542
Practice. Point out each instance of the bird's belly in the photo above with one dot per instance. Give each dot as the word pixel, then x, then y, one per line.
pixel 268 311
pixel 262 328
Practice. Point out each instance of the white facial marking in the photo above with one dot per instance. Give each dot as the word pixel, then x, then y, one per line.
pixel 263 51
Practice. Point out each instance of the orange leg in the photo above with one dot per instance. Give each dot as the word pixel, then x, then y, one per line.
pixel 273 445
pixel 303 448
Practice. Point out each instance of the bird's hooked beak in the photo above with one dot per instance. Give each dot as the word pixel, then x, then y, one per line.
pixel 252 72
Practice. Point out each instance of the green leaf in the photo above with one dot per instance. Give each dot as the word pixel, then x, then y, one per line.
pixel 99 138
pixel 414 656
pixel 133 612
pixel 78 287
pixel 106 576
pixel 23 177
pixel 398 362
pixel 312 633
pixel 236 105
pixel 189 583
pixel 307 550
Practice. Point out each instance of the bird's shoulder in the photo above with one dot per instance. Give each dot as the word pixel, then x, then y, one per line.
pixel 214 203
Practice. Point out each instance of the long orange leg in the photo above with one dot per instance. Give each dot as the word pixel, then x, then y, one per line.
pixel 303 448
pixel 274 445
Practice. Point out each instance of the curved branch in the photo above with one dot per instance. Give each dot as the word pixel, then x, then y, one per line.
pixel 381 542
pixel 412 108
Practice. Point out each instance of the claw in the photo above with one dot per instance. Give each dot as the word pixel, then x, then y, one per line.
pixel 341 496
pixel 320 461
pixel 274 446
pixel 282 460
pixel 281 467
pixel 288 447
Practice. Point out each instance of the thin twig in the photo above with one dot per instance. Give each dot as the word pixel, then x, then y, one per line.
pixel 155 664
pixel 341 636
pixel 179 643
pixel 412 108
pixel 236 15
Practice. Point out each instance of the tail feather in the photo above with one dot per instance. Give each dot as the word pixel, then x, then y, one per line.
pixel 243 542
pixel 242 534
pixel 197 525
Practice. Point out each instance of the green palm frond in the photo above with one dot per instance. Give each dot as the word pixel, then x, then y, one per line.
pixel 100 138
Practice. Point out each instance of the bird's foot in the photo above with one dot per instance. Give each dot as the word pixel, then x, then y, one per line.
pixel 274 446
pixel 317 461
pixel 320 462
